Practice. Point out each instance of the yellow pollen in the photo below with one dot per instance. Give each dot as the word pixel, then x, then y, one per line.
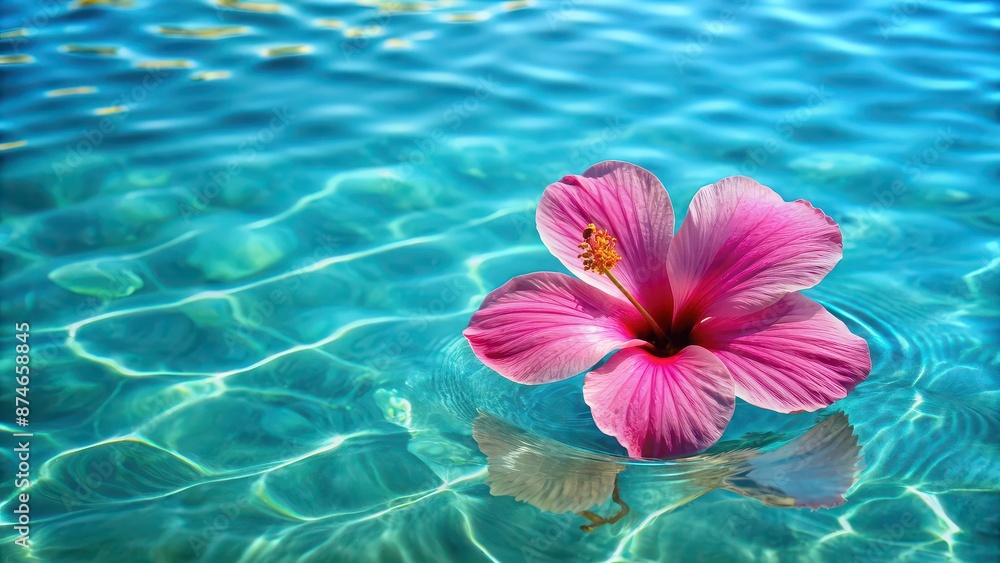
pixel 599 250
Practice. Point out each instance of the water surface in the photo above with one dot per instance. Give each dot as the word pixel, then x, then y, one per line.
pixel 247 236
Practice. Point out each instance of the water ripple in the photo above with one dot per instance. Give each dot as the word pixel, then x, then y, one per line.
pixel 247 236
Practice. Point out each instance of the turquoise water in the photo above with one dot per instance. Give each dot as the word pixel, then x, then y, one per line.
pixel 246 238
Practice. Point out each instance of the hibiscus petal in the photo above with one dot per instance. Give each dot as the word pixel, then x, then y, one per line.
pixel 791 356
pixel 631 204
pixel 741 248
pixel 659 407
pixel 544 327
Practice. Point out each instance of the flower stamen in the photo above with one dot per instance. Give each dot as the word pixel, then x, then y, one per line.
pixel 599 256
pixel 599 250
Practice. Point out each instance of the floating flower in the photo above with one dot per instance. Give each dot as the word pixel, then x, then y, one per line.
pixel 694 321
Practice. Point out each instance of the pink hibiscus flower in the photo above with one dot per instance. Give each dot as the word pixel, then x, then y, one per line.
pixel 696 320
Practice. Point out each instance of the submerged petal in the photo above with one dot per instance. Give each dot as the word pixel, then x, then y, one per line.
pixel 631 204
pixel 742 248
pixel 658 407
pixel 544 327
pixel 791 356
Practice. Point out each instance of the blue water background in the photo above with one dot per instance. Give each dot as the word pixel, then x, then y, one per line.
pixel 246 273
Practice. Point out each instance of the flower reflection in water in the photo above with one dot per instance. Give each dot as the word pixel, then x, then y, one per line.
pixel 814 470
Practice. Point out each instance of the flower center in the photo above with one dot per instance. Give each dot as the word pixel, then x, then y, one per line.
pixel 599 256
